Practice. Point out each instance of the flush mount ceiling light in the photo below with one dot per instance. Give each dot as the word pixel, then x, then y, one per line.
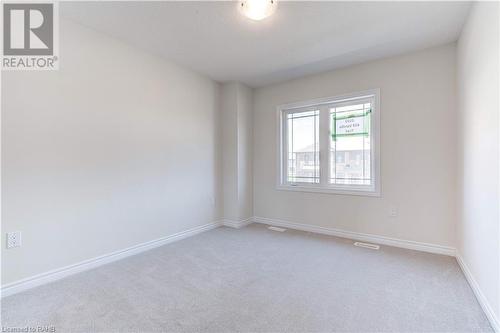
pixel 257 9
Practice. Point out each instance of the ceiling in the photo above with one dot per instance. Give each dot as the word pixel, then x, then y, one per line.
pixel 300 38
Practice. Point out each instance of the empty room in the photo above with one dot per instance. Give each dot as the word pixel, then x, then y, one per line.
pixel 250 166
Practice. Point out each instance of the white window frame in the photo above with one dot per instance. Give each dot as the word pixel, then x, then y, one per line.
pixel 323 105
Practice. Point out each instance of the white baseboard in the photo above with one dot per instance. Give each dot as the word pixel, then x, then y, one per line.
pixel 57 274
pixel 237 223
pixel 483 301
pixel 382 240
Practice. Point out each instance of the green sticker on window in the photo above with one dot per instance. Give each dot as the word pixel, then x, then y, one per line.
pixel 354 124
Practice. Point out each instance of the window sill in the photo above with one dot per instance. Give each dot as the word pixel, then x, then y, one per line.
pixel 329 190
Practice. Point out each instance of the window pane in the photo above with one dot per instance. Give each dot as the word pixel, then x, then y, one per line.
pixel 350 146
pixel 303 147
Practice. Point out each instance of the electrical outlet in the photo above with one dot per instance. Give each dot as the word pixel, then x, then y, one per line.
pixel 393 211
pixel 13 239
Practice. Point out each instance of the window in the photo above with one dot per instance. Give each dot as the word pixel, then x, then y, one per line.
pixel 303 147
pixel 330 145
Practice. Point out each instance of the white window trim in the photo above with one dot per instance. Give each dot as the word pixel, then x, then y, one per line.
pixel 361 190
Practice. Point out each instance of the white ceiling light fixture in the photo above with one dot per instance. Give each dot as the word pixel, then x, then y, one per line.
pixel 257 9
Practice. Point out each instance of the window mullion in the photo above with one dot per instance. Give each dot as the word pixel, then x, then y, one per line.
pixel 285 135
pixel 324 145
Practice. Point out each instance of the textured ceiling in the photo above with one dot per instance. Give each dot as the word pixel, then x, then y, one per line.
pixel 301 38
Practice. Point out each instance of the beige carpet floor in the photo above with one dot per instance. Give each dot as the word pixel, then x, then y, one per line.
pixel 257 280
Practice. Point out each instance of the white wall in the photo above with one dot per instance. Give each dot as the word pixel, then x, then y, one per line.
pixel 478 236
pixel 236 122
pixel 245 151
pixel 229 121
pixel 418 149
pixel 116 148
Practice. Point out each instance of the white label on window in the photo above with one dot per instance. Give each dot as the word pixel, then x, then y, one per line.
pixel 354 125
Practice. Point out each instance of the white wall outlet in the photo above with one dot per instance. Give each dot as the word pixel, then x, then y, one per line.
pixel 13 239
pixel 393 211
